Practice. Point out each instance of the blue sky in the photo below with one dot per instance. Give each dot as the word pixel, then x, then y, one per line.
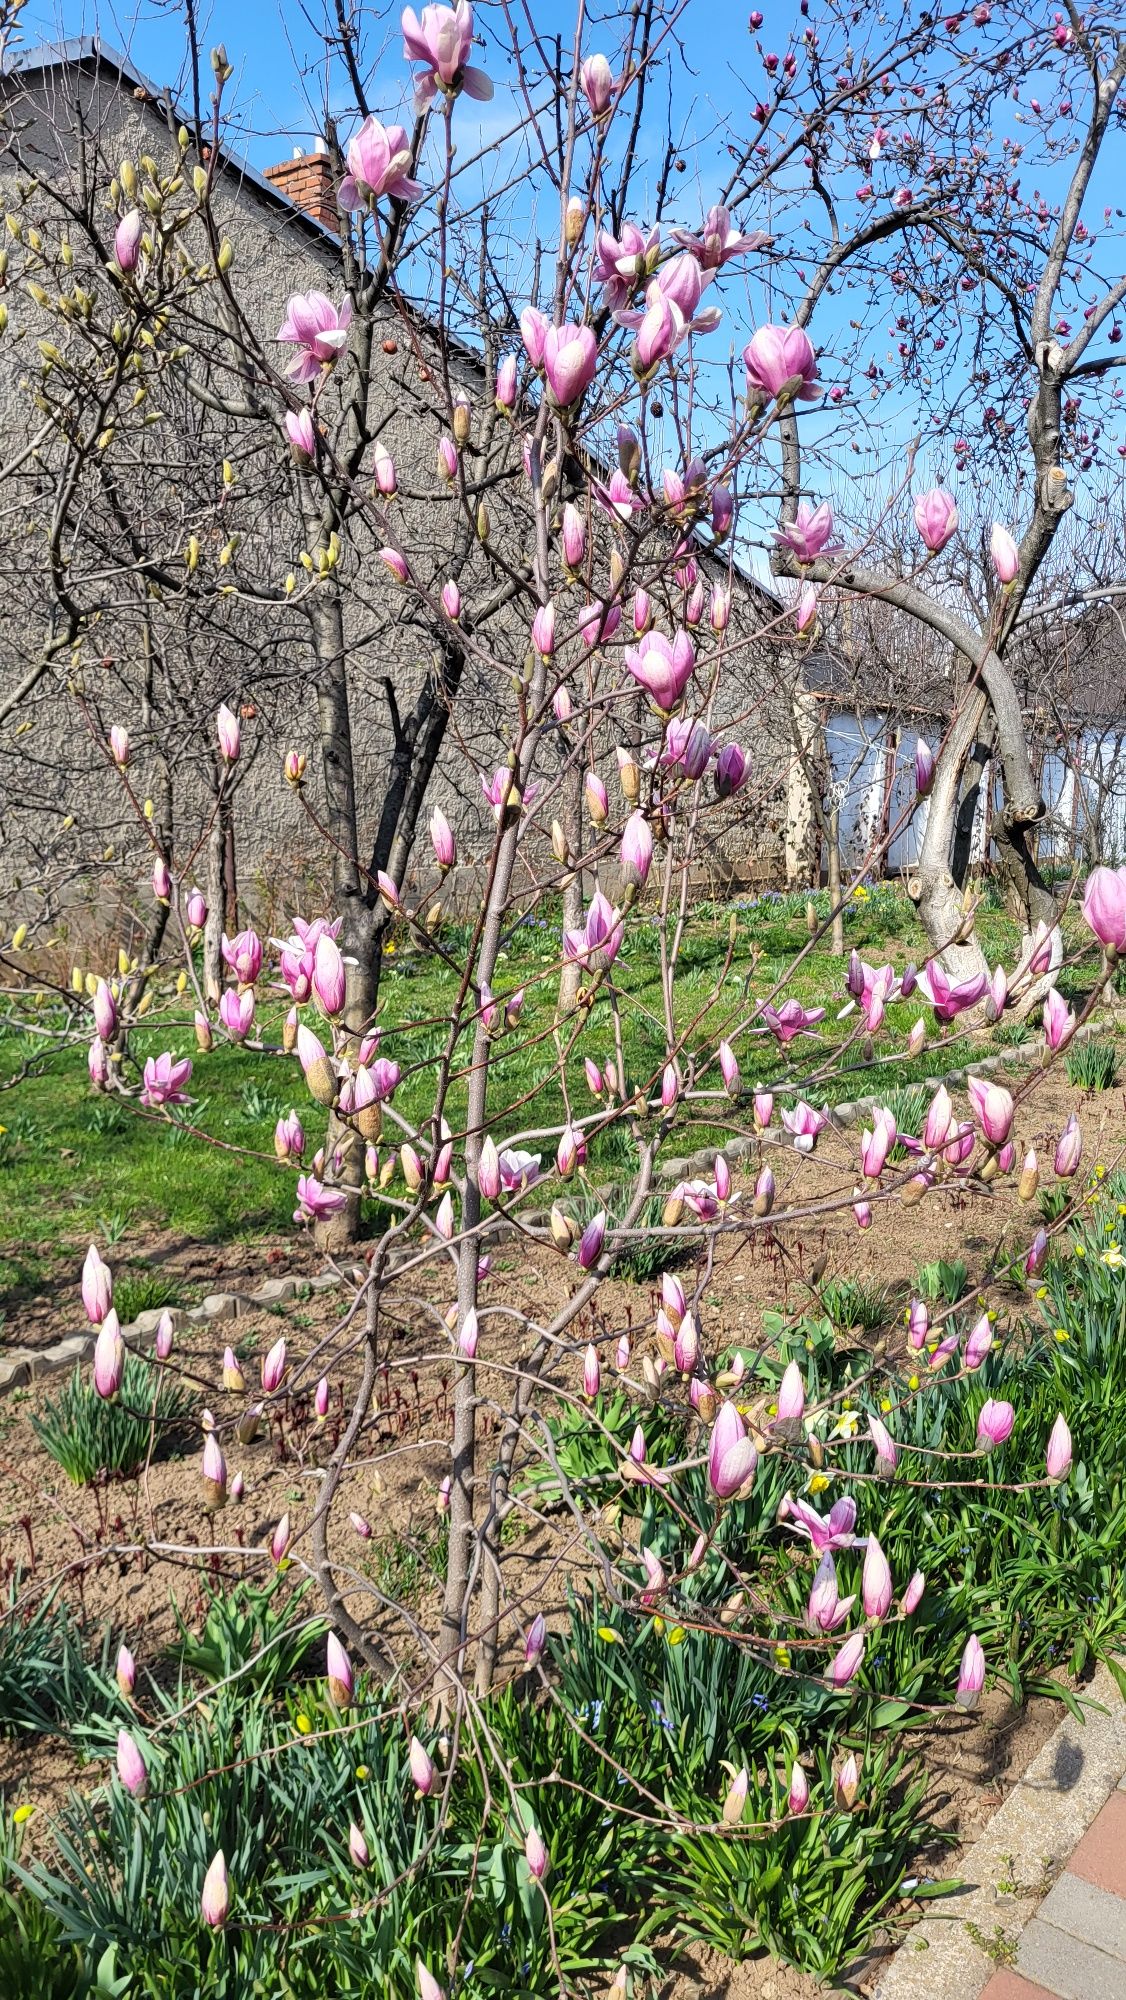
pixel 278 89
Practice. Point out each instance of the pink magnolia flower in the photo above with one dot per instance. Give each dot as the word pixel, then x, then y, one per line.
pixel 663 667
pixel 502 791
pixel 936 518
pixel 780 363
pixel 441 41
pixel 243 953
pixel 163 1080
pixel 826 1610
pixel 875 1145
pixel 236 1011
pixel 1104 906
pixel 804 1125
pixel 831 1531
pixel 719 240
pixel 949 997
pixel 317 329
pixel 315 1201
pixel 622 262
pixel 809 533
pixel 732 1457
pixel 600 940
pixel 791 1019
pixel 535 1854
pixel 379 158
pixel 570 359
pixel 979 1343
pixel 341 1680
pixel 798 1798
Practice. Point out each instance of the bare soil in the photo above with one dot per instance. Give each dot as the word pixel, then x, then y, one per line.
pixel 129 1554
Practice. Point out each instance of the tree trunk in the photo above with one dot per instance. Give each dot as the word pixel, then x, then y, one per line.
pixel 836 907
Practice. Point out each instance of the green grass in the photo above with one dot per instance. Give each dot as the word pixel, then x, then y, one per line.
pixel 77 1166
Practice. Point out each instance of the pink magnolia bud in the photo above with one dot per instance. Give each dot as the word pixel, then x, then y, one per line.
pixel 301 433
pixel 119 745
pixel 1104 907
pixel 468 1337
pixel 729 1068
pixel 995 1423
pixel 597 80
pixel 846 1783
pixel 1069 1149
pixel 1058 1461
pixel 791 1396
pixel 887 1451
pixel 329 977
pixel 734 1805
pixel 97 1063
pixel 535 1854
pixel 451 600
pixel 637 849
pixel 862 1211
pixel 109 1358
pixel 281 1539
pixel 764 1109
pixel 488 1170
pixel 392 560
pixel 592 1372
pixel 912 1596
pixel 442 839
pixel 574 537
pixel 979 1343
pixel 236 1012
pixel 127 241
pixel 971 1676
pixel 591 1242
pixel 320 1398
pixel 97 1286
pixel 161 880
pixel 125 1671
pixel 105 1011
pixel 686 1345
pixel 798 1798
pixel 230 738
pixel 383 466
pixel 764 1193
pixel 273 1367
pixel 543 631
pixel 216 1898
pixel 918 1323
pixel 444 1495
pixel 597 801
pixel 924 768
pixel 621 1354
pixel 234 1381
pixel 195 910
pixel 732 1457
pixel 1037 1254
pixel 428 1987
pixel 1006 556
pixel 506 383
pixel 846 1662
pixel 993 1107
pixel 423 1772
pixel 214 1472
pixel 358 1847
pixel 536 1640
pixel 936 518
pixel 875 1587
pixel 164 1336
pixel 341 1680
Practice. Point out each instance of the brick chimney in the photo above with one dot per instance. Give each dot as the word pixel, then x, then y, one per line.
pixel 306 180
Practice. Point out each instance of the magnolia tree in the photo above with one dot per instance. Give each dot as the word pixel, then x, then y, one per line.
pixel 595 483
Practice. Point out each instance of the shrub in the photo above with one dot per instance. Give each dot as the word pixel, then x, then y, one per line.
pixel 90 1437
pixel 252 1632
pixel 42 1671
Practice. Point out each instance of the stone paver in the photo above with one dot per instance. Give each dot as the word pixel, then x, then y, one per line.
pixel 1067 1966
pixel 1080 1909
pixel 1067 1803
pixel 1009 1985
pixel 1101 1854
